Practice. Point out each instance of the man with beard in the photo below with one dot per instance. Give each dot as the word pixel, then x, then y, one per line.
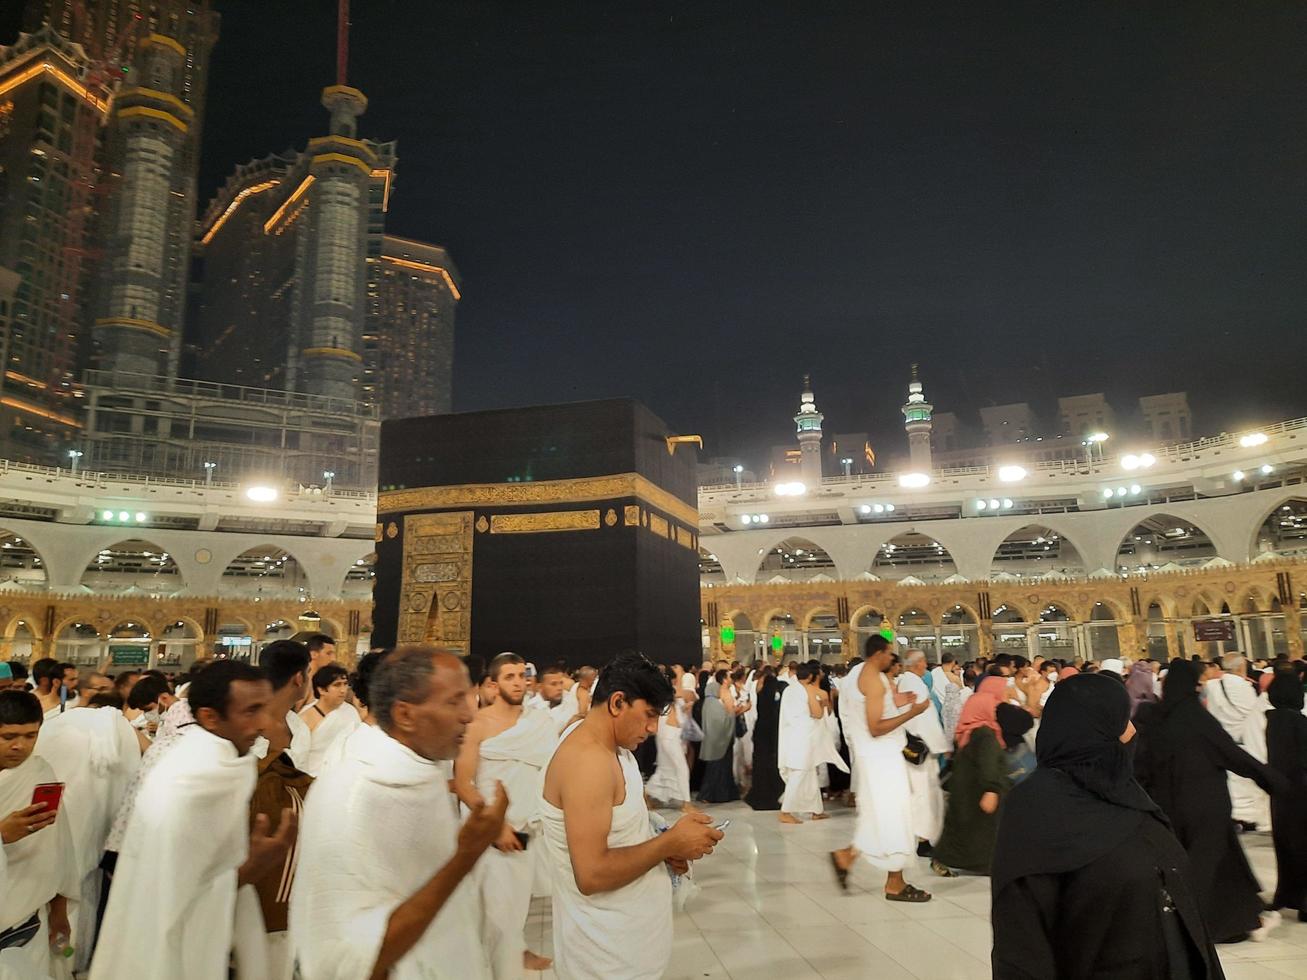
pixel 508 744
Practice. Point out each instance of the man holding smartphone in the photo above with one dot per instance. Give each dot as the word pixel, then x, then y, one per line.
pixel 509 744
pixel 37 845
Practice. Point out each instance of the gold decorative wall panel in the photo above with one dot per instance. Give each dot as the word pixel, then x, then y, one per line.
pixel 436 585
pixel 587 490
pixel 563 520
pixel 658 525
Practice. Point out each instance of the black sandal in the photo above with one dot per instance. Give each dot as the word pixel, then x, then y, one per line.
pixel 910 893
pixel 841 874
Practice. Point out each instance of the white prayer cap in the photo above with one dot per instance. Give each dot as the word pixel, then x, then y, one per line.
pixel 1112 664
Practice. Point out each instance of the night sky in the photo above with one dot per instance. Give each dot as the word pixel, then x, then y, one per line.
pixel 694 203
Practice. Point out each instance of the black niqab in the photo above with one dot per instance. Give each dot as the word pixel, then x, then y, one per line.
pixel 1082 801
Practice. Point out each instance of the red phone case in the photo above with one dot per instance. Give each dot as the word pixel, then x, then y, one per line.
pixel 50 794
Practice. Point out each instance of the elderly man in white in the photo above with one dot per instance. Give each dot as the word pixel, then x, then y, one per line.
pixel 1232 700
pixel 923 779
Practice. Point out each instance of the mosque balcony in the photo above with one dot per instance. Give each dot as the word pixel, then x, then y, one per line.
pixel 1139 475
pixel 127 500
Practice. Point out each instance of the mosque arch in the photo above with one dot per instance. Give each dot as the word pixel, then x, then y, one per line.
pixel 795 559
pixel 1282 528
pixel 268 571
pixel 710 569
pixel 360 577
pixel 1036 549
pixel 133 565
pixel 1161 540
pixel 22 566
pixel 913 554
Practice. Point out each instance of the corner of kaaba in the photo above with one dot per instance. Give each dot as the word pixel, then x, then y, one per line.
pixel 561 533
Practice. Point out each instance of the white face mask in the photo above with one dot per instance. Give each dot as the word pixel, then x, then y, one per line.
pixel 1052 676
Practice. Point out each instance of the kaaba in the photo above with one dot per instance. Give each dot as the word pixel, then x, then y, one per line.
pixel 560 532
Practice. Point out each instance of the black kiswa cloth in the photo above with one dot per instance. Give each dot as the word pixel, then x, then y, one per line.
pixel 1082 799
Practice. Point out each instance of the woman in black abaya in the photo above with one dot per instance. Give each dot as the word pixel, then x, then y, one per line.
pixel 1286 753
pixel 767 787
pixel 1183 757
pixel 1087 879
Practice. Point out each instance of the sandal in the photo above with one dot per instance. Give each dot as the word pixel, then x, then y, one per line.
pixel 841 874
pixel 910 893
pixel 944 871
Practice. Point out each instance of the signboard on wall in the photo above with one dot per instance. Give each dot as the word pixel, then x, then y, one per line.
pixel 1214 630
pixel 130 656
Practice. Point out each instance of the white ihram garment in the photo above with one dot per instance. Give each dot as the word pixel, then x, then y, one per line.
pixel 1233 702
pixel 39 867
pixel 517 758
pixel 626 933
pixel 923 780
pixel 336 726
pixel 377 827
pixel 883 833
pixel 174 889
pixel 94 753
pixel 803 744
pixel 670 782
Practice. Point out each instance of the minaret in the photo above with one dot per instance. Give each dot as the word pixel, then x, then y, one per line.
pixel 809 422
pixel 916 419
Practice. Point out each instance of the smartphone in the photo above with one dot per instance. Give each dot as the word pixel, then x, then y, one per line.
pixel 721 826
pixel 523 838
pixel 50 794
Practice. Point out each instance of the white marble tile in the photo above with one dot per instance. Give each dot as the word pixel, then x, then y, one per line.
pixel 769 909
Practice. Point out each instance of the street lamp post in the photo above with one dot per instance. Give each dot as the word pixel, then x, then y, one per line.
pixel 847 463
pixel 328 475
pixel 74 455
pixel 739 470
pixel 208 473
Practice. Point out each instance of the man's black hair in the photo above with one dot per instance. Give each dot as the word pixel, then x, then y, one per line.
pixel 947 657
pixel 47 668
pixel 105 699
pixel 502 660
pixel 281 660
pixel 554 668
pixel 211 687
pixel 361 680
pixel 20 708
pixel 324 677
pixel 636 676
pixel 1005 660
pixel 146 691
pixel 476 669
pixel 317 641
pixel 18 670
pixel 876 643
pixel 806 671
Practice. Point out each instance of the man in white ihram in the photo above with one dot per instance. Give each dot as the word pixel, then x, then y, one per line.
pixel 872 719
pixel 923 779
pixel 179 904
pixel 612 895
pixel 384 887
pixel 510 745
pixel 804 742
pixel 94 752
pixel 1232 700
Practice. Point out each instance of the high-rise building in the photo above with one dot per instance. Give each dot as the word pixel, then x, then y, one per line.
pixel 52 106
pixel 1006 424
pixel 284 272
pixel 408 339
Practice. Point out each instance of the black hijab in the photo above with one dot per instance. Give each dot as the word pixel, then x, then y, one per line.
pixel 1082 800
pixel 1180 686
pixel 1285 691
pixel 1014 722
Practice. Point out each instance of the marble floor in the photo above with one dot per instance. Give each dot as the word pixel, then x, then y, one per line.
pixel 769 910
